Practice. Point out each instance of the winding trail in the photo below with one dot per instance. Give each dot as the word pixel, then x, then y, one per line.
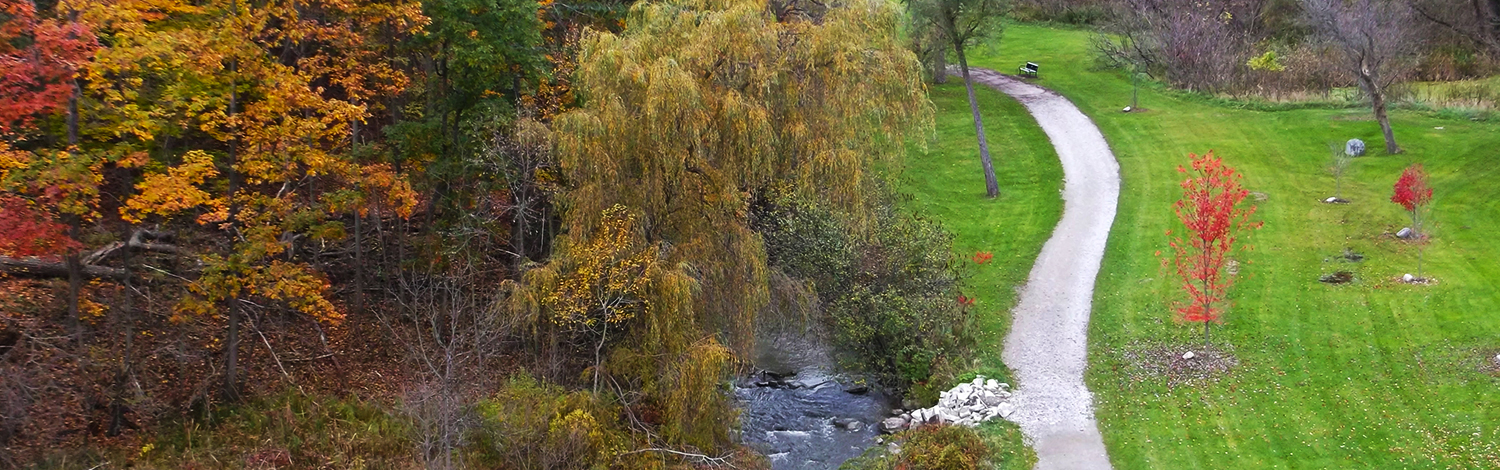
pixel 1047 347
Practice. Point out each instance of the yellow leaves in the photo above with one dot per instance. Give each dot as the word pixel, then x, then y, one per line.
pixel 175 191
pixel 296 284
pixel 12 159
pixel 610 272
pixel 390 189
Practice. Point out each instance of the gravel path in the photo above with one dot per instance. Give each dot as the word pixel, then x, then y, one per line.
pixel 1048 342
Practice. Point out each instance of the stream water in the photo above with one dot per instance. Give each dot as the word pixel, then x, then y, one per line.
pixel 798 409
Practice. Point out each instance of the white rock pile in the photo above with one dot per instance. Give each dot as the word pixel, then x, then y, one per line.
pixel 967 404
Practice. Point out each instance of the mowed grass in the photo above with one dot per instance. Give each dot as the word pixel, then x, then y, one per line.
pixel 946 182
pixel 1374 374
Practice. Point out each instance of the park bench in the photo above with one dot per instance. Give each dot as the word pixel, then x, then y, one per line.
pixel 1030 69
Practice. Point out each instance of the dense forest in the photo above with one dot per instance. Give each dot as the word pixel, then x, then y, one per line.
pixel 532 234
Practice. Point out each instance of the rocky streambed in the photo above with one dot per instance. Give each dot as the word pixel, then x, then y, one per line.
pixel 799 408
pixel 810 419
pixel 803 412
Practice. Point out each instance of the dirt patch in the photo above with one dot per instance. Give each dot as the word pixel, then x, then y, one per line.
pixel 1179 364
pixel 1259 196
pixel 1341 277
pixel 1489 361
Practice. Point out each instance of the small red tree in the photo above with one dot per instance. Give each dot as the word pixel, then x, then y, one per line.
pixel 1413 194
pixel 26 231
pixel 1210 210
pixel 39 59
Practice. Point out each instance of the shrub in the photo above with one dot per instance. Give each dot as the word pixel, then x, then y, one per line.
pixel 929 447
pixel 890 286
pixel 804 239
pixel 534 425
pixel 942 447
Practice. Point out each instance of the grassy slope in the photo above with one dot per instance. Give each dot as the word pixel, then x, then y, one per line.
pixel 946 183
pixel 1375 374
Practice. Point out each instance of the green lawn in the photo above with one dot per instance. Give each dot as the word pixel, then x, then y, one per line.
pixel 1376 374
pixel 946 183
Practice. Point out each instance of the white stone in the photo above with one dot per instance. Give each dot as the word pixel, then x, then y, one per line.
pixel 1407 277
pixel 991 384
pixel 1330 199
pixel 1127 109
pixel 978 382
pixel 1404 233
pixel 993 400
pixel 1189 355
pixel 1006 409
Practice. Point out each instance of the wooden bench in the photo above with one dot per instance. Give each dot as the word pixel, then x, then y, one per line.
pixel 1030 69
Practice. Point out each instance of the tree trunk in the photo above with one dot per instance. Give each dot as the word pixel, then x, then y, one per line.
pixel 119 397
pixel 1491 23
pixel 359 264
pixel 940 65
pixel 75 265
pixel 518 240
pixel 232 353
pixel 231 360
pixel 37 268
pixel 1377 101
pixel 1205 336
pixel 75 286
pixel 991 185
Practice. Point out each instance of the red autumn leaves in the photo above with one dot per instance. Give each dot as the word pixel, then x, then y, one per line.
pixel 1413 193
pixel 37 77
pixel 26 231
pixel 981 257
pixel 1210 211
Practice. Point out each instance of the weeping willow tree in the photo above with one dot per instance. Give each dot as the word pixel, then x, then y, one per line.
pixel 684 116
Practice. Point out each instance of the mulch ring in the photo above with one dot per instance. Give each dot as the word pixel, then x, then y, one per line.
pixel 1489 361
pixel 1148 361
pixel 1340 277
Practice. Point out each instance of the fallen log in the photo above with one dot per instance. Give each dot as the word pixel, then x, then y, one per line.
pixel 33 267
pixel 137 243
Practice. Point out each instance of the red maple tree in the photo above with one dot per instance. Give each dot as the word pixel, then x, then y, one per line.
pixel 1412 193
pixel 26 231
pixel 1210 210
pixel 39 59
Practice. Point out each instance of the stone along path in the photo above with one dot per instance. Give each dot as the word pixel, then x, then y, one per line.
pixel 1048 342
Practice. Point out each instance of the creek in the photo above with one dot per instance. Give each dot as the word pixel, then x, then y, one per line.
pixel 800 409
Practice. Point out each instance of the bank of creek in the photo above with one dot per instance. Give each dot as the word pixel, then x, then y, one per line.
pixel 800 410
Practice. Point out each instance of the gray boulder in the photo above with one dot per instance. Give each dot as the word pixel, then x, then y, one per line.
pixel 1354 147
pixel 893 425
